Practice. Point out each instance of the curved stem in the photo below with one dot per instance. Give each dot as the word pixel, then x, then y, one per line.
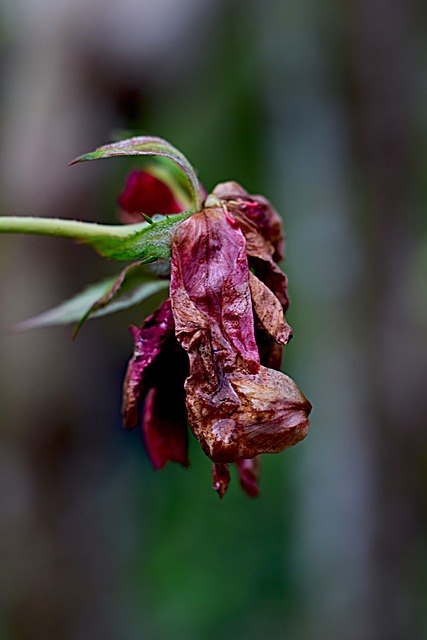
pixel 73 229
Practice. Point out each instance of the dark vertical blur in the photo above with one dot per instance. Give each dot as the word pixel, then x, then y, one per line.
pixel 321 106
pixel 384 38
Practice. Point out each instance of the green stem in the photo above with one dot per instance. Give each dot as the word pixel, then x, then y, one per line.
pixel 74 229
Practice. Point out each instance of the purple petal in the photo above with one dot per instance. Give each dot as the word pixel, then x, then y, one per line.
pixel 149 341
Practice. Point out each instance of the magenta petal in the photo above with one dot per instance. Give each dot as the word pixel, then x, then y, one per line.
pixel 165 429
pixel 221 478
pixel 149 341
pixel 144 193
pixel 248 475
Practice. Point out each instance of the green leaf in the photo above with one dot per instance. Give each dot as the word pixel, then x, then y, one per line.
pixel 127 279
pixel 133 297
pixel 137 288
pixel 150 146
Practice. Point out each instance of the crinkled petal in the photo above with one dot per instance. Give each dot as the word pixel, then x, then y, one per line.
pixel 269 311
pixel 210 262
pixel 272 276
pixel 261 258
pixel 237 408
pixel 246 413
pixel 149 341
pixel 257 210
pixel 262 228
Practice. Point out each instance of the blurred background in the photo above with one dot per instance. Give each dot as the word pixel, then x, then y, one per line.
pixel 321 107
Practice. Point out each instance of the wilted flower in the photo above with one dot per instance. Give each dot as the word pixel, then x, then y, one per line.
pixel 211 353
pixel 237 407
pixel 232 326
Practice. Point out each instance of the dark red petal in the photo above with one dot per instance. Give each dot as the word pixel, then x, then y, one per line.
pixel 144 193
pixel 248 475
pixel 165 428
pixel 237 408
pixel 256 209
pixel 221 478
pixel 210 269
pixel 149 341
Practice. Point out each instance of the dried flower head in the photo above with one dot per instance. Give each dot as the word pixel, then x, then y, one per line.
pixel 211 353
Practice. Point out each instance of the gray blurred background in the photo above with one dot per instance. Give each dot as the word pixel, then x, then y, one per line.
pixel 321 107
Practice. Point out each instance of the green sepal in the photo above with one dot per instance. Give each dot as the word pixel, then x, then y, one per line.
pixel 150 146
pixel 152 242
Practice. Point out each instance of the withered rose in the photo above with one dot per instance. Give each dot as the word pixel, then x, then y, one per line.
pixel 222 331
pixel 210 356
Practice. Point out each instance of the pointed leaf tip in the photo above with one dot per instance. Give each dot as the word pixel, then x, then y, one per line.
pixel 149 146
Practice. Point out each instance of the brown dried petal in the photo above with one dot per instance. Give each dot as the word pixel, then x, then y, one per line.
pixel 247 414
pixel 221 477
pixel 237 408
pixel 149 341
pixel 269 311
pixel 260 253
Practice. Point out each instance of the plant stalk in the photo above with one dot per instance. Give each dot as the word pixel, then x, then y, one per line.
pixel 74 229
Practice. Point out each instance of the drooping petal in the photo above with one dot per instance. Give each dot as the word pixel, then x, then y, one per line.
pixel 248 475
pixel 261 226
pixel 164 426
pixel 237 408
pixel 164 418
pixel 221 477
pixel 260 253
pixel 144 193
pixel 149 341
pixel 269 311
